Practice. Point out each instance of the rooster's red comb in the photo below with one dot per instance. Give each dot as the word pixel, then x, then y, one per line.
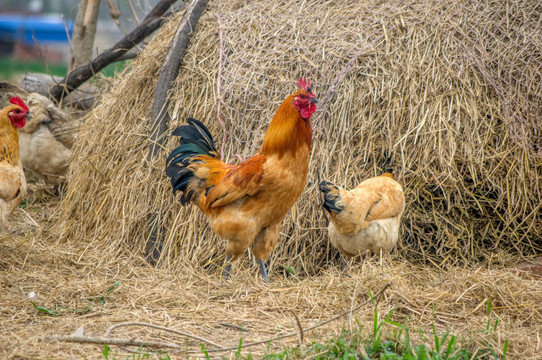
pixel 304 83
pixel 18 101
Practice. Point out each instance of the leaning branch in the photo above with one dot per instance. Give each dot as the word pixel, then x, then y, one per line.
pixel 160 116
pixel 169 72
pixel 82 73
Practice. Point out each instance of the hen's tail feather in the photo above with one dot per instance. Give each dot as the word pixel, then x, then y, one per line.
pixel 194 140
pixel 331 195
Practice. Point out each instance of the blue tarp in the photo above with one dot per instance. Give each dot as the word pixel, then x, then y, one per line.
pixel 44 28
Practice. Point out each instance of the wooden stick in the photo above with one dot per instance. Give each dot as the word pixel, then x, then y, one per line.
pixel 111 341
pixel 169 73
pixel 160 115
pixel 300 328
pixel 178 332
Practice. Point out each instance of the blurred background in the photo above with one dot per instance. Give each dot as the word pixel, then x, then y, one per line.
pixel 35 35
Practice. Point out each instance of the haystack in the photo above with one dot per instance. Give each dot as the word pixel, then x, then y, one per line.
pixel 447 94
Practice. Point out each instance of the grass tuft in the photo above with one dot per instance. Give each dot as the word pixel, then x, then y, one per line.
pixel 390 340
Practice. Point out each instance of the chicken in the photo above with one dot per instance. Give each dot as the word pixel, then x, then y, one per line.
pixel 246 203
pixel 12 179
pixel 47 139
pixel 45 142
pixel 366 218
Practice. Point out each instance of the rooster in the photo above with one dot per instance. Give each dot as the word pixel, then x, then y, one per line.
pixel 246 203
pixel 12 179
pixel 366 218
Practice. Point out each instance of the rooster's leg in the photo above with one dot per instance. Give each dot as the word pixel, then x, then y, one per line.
pixel 263 271
pixel 227 268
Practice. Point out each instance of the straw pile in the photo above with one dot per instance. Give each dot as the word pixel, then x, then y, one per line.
pixel 448 94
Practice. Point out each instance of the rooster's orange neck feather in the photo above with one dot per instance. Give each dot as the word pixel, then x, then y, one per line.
pixel 287 130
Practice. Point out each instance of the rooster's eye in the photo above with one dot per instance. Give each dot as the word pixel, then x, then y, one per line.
pixel 17 111
pixel 302 96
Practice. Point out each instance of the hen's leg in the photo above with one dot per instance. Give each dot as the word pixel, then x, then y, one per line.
pixel 227 269
pixel 263 270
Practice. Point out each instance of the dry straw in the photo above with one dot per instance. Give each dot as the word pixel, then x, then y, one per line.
pixel 446 93
pixel 70 279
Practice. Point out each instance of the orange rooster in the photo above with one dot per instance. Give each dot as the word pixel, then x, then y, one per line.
pixel 12 179
pixel 246 203
pixel 366 218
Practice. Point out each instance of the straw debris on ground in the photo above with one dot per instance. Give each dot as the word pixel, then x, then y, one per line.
pixel 71 279
pixel 447 94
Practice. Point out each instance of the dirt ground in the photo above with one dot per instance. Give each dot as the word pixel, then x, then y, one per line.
pixel 84 287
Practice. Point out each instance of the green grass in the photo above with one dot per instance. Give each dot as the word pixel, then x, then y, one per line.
pixel 91 302
pixel 11 68
pixel 141 354
pixel 390 340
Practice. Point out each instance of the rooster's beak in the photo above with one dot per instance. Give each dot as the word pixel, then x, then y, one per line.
pixel 29 115
pixel 314 100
